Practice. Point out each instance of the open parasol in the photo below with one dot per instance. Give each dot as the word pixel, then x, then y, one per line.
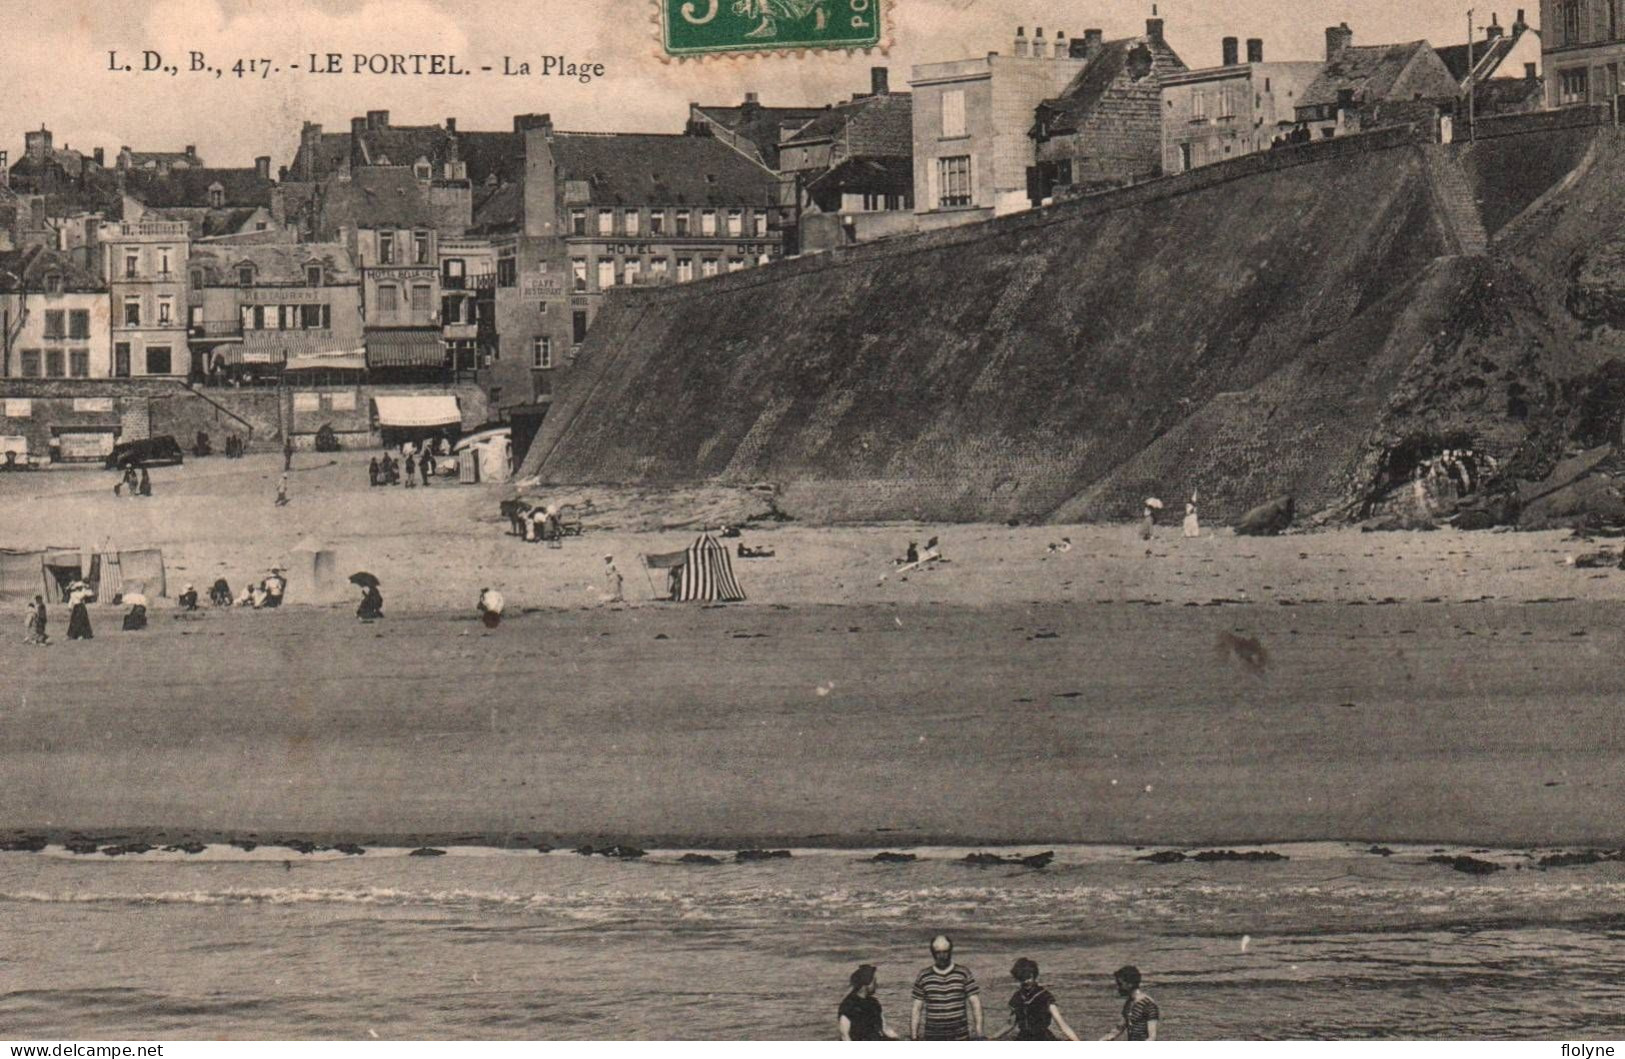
pixel 364 579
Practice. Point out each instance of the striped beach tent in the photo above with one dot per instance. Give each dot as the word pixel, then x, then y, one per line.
pixel 708 574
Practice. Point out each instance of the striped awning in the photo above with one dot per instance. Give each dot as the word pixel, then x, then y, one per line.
pixel 273 347
pixel 405 349
pixel 338 360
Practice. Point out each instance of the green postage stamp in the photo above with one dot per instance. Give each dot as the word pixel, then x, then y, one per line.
pixel 702 27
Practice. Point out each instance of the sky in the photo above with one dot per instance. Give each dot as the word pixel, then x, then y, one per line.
pixel 57 73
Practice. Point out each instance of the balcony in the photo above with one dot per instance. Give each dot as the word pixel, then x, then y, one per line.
pixel 147 230
pixel 215 331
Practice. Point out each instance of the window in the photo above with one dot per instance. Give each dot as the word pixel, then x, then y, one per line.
pixel 541 308
pixel 736 223
pixel 1198 106
pixel 217 197
pixel 315 317
pixel 630 220
pixel 197 279
pixel 386 248
pixel 761 224
pixel 132 311
pixel 421 294
pixel 682 222
pixel 634 269
pixel 685 269
pixel 953 113
pixel 606 272
pixel 606 222
pixel 1571 22
pixel 708 267
pixel 541 352
pixel 55 323
pixel 708 222
pixel 578 326
pixel 657 222
pixel 79 323
pixel 165 255
pixel 166 310
pixel 578 222
pixel 657 269
pixel 736 264
pixel 1573 86
pixel 420 248
pixel 953 181
pixel 313 275
pixel 53 283
pixel 421 170
pixel 1227 103
pixel 55 364
pixel 508 270
pixel 245 275
pixel 121 360
pixel 30 363
pixel 79 363
pixel 451 272
pixel 158 362
pixel 388 304
pixel 578 273
pixel 132 264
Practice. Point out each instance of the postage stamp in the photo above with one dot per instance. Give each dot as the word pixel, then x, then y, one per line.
pixel 702 27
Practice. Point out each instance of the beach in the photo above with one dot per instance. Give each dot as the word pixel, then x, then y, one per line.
pixel 1332 685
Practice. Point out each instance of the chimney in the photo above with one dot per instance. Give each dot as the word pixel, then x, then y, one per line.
pixel 97 154
pixel 1493 31
pixel 310 139
pixel 281 174
pixel 1093 41
pixel 451 126
pixel 1232 51
pixel 1338 38
pixel 1023 49
pixel 377 119
pixel 1518 24
pixel 1153 26
pixel 358 155
pixel 1529 73
pixel 524 122
pixel 1255 50
pixel 191 153
pixel 1040 49
pixel 752 102
pixel 5 170
pixel 878 83
pixel 1061 49
pixel 262 167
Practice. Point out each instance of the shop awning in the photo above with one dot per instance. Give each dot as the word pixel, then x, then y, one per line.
pixel 405 349
pixel 274 347
pixel 418 410
pixel 338 360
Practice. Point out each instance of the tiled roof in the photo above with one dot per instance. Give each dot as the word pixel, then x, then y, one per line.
pixel 35 262
pixel 374 197
pixel 1368 71
pixel 499 208
pixel 331 155
pixel 279 265
pixel 207 223
pixel 141 158
pixel 1487 56
pixel 759 128
pixel 1090 84
pixel 191 187
pixel 867 174
pixel 871 126
pixel 624 168
pixel 485 153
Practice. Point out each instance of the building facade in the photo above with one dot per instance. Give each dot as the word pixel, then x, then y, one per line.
pixel 1228 111
pixel 1583 46
pixel 144 265
pixel 971 118
pixel 54 321
pixel 1372 86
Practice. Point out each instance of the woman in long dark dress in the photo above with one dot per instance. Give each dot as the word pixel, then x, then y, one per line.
pixel 136 620
pixel 372 604
pixel 79 614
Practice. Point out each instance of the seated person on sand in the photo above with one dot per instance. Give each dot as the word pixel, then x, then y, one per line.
pixel 188 598
pixel 257 595
pixel 220 593
pixel 245 598
pixel 275 585
pixel 754 553
pixel 136 620
pixel 931 553
pixel 910 557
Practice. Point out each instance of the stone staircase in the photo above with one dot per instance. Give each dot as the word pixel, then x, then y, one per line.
pixel 1453 195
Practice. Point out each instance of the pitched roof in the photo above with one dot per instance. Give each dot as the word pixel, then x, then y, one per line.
pixel 332 153
pixel 498 209
pixel 485 153
pixel 279 265
pixel 868 174
pixel 1501 94
pixel 1102 70
pixel 191 187
pixel 35 262
pixel 373 197
pixel 1369 71
pixel 1487 55
pixel 652 168
pixel 757 128
pixel 872 126
pixel 205 222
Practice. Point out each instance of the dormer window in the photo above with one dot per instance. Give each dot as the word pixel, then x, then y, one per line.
pixel 245 275
pixel 53 283
pixel 217 196
pixel 313 275
pixel 422 170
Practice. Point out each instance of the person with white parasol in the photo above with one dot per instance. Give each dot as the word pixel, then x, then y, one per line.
pixel 79 594
pixel 1148 518
pixel 136 619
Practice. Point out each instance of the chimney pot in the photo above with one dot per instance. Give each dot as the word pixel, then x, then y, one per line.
pixel 97 154
pixel 1153 29
pixel 1518 24
pixel 878 81
pixel 262 167
pixel 451 125
pixel 1255 49
pixel 377 119
pixel 1232 50
pixel 1040 46
pixel 1338 38
pixel 752 99
pixel 1023 49
pixel 191 151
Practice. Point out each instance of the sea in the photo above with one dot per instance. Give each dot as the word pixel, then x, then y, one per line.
pixel 1334 941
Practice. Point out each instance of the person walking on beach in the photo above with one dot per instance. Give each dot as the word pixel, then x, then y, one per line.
pixel 859 1018
pixel 372 471
pixel 78 613
pixel 947 1000
pixel 146 483
pixel 426 467
pixel 490 607
pixel 1193 526
pixel 411 471
pixel 282 492
pixel 1033 1009
pixel 613 581
pixel 1140 1012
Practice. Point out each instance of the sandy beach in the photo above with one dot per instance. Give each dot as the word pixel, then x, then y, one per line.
pixel 1335 685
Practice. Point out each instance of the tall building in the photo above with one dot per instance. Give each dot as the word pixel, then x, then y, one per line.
pixel 1583 43
pixel 972 118
pixel 53 317
pixel 144 264
pixel 1231 110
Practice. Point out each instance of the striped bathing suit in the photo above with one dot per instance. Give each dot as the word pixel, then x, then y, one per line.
pixel 946 994
pixel 1138 1012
